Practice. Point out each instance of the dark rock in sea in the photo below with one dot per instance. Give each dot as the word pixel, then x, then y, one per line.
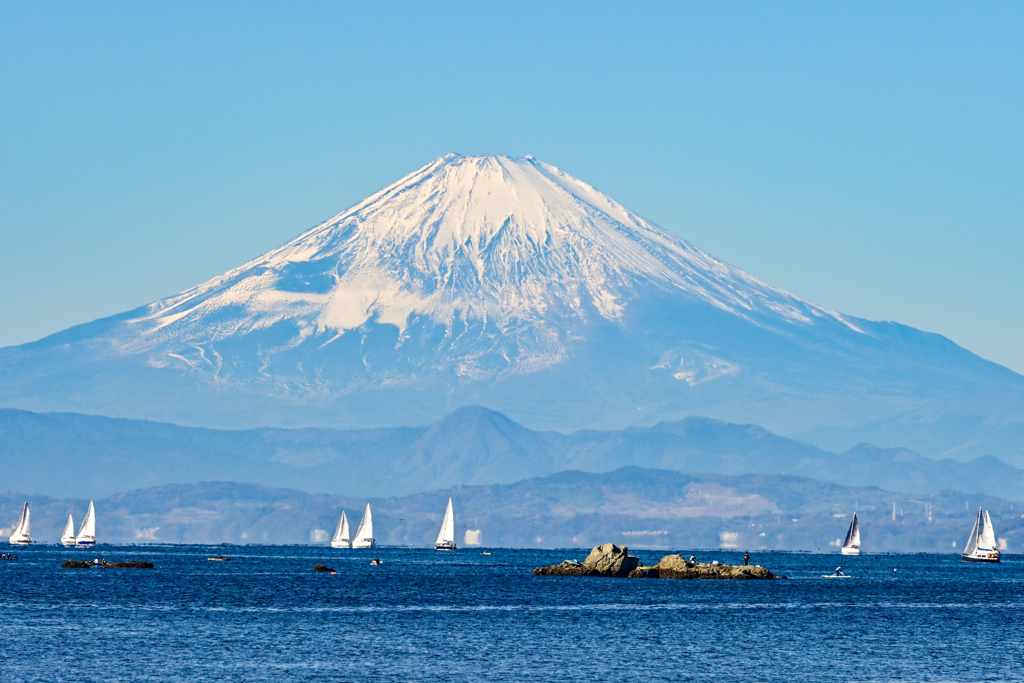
pixel 675 567
pixel 322 568
pixel 567 568
pixel 638 573
pixel 608 560
pixel 128 565
pixel 75 564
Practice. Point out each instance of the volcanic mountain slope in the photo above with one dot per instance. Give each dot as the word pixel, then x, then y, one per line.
pixel 498 281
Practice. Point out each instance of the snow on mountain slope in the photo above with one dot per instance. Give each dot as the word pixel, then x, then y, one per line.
pixel 496 281
pixel 514 244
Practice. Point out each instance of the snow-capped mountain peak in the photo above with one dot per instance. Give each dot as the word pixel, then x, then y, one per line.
pixel 496 281
pixel 489 238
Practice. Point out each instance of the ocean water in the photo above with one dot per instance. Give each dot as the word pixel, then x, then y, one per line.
pixel 464 616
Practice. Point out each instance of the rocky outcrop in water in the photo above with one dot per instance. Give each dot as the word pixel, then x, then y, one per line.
pixel 675 567
pixel 75 564
pixel 322 568
pixel 608 560
pixel 128 565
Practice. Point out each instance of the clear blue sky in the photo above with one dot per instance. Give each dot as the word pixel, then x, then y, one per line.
pixel 867 157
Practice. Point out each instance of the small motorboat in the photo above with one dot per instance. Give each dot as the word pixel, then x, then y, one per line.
pixel 376 561
pixel 839 573
pixel 219 558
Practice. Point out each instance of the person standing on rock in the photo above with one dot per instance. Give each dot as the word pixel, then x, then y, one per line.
pixel 746 558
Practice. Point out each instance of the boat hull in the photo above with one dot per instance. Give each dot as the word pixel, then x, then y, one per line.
pixel 447 545
pixel 988 558
pixel 19 541
pixel 340 544
pixel 365 544
pixel 851 551
pixel 68 544
pixel 84 544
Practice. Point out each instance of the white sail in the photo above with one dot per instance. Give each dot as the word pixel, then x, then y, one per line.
pixel 87 532
pixel 446 536
pixel 853 534
pixel 364 534
pixel 68 537
pixel 22 530
pixel 987 537
pixel 972 542
pixel 851 546
pixel 340 539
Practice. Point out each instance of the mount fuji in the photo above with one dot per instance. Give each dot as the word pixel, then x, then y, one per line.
pixel 496 281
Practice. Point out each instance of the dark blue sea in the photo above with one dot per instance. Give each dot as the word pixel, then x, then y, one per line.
pixel 464 616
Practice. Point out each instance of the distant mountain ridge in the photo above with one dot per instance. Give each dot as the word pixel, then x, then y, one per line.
pixel 78 455
pixel 637 507
pixel 962 428
pixel 497 281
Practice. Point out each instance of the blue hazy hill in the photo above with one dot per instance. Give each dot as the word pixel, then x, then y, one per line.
pixel 632 506
pixel 66 454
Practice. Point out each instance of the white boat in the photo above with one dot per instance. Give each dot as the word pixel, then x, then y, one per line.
pixel 22 533
pixel 87 532
pixel 981 546
pixel 446 536
pixel 364 534
pixel 68 537
pixel 851 546
pixel 340 539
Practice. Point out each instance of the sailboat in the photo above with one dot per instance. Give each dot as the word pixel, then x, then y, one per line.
pixel 981 546
pixel 851 546
pixel 446 536
pixel 87 532
pixel 68 537
pixel 364 534
pixel 22 534
pixel 340 539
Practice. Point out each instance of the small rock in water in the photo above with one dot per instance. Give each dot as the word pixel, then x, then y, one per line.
pixel 129 565
pixel 608 560
pixel 322 568
pixel 75 564
pixel 675 567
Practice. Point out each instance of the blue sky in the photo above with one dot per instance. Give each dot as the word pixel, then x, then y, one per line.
pixel 867 157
